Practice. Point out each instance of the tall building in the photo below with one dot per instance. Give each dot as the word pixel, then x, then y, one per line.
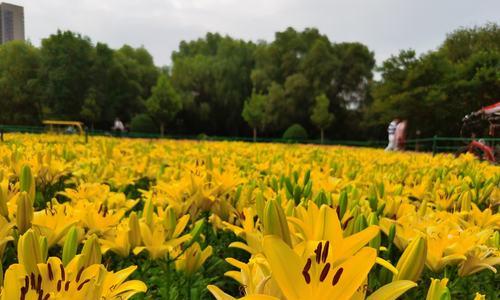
pixel 11 22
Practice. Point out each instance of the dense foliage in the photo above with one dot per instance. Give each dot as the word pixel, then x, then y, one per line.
pixel 187 220
pixel 225 86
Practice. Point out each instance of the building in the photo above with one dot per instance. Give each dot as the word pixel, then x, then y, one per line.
pixel 11 22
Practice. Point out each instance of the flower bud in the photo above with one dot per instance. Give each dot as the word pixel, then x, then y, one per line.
pixel 70 246
pixel 4 211
pixel 260 204
pixel 29 252
pixel 134 233
pixel 25 212
pixel 438 290
pixel 91 253
pixel 360 223
pixel 44 247
pixel 392 233
pixel 27 182
pixel 376 241
pixel 170 219
pixel 342 204
pixel 275 222
pixel 422 209
pixel 465 201
pixel 412 261
pixel 147 212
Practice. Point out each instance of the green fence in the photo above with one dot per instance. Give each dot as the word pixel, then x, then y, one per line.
pixel 433 144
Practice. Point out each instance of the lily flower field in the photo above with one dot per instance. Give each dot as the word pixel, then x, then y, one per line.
pixel 162 219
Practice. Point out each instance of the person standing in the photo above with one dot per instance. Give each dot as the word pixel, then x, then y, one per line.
pixel 400 135
pixel 391 131
pixel 118 125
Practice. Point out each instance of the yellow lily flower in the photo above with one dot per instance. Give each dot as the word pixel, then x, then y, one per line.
pixel 54 281
pixel 118 241
pixel 478 260
pixel 314 277
pixel 53 222
pixel 436 259
pixel 315 225
pixel 192 259
pixel 157 241
pixel 255 277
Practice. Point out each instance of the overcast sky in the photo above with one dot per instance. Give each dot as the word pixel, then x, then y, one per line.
pixel 385 26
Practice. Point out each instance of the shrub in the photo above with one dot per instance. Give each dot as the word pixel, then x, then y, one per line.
pixel 143 123
pixel 295 132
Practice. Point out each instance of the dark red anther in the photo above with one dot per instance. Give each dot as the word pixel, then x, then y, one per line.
pixel 324 272
pixel 318 252
pixel 82 284
pixel 79 275
pixel 337 275
pixel 33 281
pixel 325 251
pixel 305 271
pixel 39 282
pixel 63 274
pixel 51 275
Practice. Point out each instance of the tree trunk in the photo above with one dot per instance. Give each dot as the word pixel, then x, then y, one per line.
pixel 255 135
pixel 162 129
pixel 322 135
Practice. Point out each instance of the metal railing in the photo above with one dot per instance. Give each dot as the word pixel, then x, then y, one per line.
pixel 433 144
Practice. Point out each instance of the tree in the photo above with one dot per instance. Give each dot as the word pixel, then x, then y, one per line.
pixel 254 112
pixel 434 91
pixel 19 86
pixel 320 116
pixel 213 76
pixel 91 111
pixel 66 61
pixel 164 103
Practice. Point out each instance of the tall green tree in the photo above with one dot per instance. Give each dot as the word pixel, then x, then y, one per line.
pixel 320 116
pixel 436 90
pixel 164 103
pixel 213 74
pixel 305 64
pixel 66 61
pixel 91 110
pixel 254 111
pixel 19 86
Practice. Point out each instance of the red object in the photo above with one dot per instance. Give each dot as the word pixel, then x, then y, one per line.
pixel 488 151
pixel 491 109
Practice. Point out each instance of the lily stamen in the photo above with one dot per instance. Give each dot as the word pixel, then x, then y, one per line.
pixel 305 271
pixel 324 272
pixel 337 275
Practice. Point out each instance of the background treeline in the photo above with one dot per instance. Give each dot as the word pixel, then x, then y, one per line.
pixel 218 85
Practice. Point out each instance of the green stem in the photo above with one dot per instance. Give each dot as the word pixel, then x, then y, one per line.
pixel 168 275
pixel 188 288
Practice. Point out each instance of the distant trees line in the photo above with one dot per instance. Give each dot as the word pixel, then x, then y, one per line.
pixel 218 85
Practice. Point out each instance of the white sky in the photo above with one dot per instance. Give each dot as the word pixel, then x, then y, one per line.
pixel 385 26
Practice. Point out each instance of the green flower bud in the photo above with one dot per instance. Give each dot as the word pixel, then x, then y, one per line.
pixel 25 212
pixel 27 182
pixel 70 246
pixel 412 261
pixel 91 253
pixel 134 233
pixel 275 222
pixel 342 204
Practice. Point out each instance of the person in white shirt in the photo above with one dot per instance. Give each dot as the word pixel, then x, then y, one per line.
pixel 118 125
pixel 391 131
